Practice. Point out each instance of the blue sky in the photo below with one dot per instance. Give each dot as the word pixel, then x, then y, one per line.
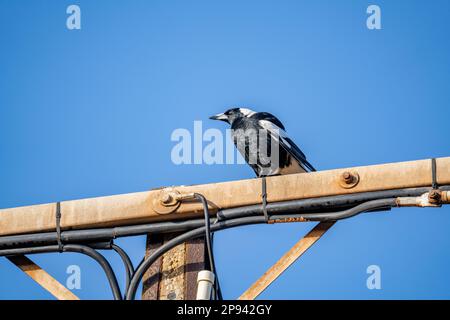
pixel 89 112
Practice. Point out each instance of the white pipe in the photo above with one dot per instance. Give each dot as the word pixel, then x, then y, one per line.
pixel 205 282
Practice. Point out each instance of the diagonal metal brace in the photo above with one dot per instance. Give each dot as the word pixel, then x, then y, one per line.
pixel 286 261
pixel 45 280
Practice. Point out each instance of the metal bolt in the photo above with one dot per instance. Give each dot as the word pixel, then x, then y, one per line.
pixel 434 196
pixel 347 177
pixel 166 198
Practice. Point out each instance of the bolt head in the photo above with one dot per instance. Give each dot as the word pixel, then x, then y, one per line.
pixel 347 177
pixel 166 198
pixel 435 195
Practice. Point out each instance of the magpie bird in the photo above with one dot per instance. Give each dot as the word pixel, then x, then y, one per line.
pixel 261 139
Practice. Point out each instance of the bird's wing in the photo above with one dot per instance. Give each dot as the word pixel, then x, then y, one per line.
pixel 278 134
pixel 269 117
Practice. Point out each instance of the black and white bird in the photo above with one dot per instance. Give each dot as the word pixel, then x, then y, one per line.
pixel 274 152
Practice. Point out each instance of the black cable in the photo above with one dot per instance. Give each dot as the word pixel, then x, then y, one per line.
pixel 146 263
pixel 83 249
pixel 103 263
pixel 225 224
pixel 208 238
pixel 129 269
pixel 434 183
pixel 264 198
pixel 207 231
pixel 379 204
pixel 58 227
pixel 218 290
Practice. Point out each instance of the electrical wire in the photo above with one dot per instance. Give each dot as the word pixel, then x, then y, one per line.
pixel 83 249
pixel 208 238
pixel 146 263
pixel 129 269
pixel 225 224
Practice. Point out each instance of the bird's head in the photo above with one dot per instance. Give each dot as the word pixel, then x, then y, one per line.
pixel 231 115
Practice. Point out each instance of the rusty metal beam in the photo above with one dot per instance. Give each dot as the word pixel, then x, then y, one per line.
pixel 45 280
pixel 157 205
pixel 286 261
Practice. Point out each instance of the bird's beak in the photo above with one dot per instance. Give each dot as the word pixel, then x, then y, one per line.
pixel 220 116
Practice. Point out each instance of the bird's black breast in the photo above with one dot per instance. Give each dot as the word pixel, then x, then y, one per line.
pixel 256 145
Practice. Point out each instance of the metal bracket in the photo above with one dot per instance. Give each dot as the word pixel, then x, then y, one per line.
pixel 434 198
pixel 169 200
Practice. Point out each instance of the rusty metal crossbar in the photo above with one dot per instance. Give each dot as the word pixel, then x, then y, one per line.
pixel 293 198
